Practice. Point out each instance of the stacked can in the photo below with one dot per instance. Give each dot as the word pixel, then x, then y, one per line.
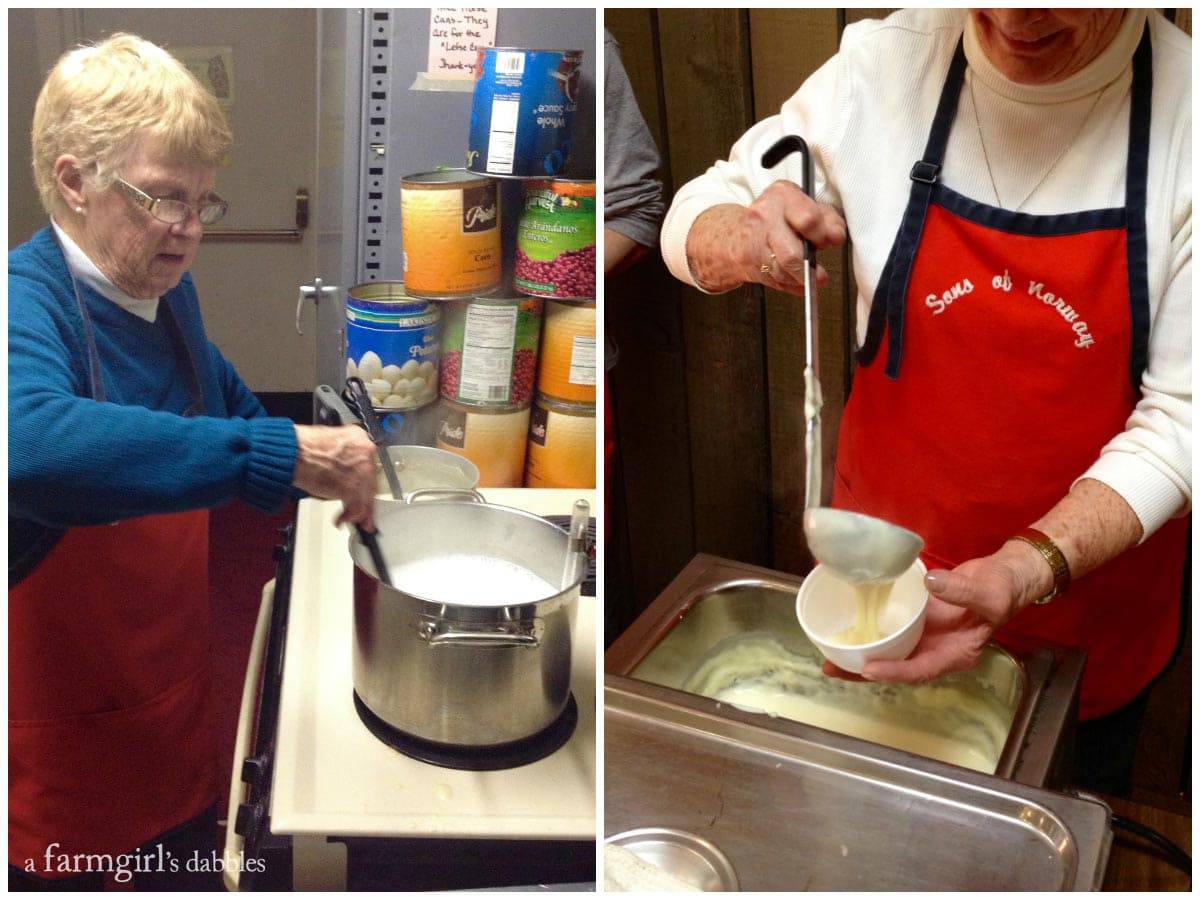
pixel 489 360
pixel 556 240
pixel 562 426
pixel 522 111
pixel 521 128
pixel 393 344
pixel 450 226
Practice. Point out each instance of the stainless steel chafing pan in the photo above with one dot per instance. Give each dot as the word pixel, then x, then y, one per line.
pixel 1026 699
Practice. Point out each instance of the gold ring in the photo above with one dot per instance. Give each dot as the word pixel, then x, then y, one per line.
pixel 766 267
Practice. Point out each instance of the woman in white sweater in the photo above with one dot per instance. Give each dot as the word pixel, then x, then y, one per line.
pixel 1017 185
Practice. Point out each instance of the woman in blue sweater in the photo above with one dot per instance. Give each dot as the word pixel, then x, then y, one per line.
pixel 125 425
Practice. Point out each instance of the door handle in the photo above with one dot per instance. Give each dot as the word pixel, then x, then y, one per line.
pixel 287 235
pixel 313 292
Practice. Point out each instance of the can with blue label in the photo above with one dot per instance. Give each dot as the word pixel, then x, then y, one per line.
pixel 393 343
pixel 523 111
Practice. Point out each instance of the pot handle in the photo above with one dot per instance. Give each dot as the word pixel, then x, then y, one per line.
pixel 469 495
pixel 440 633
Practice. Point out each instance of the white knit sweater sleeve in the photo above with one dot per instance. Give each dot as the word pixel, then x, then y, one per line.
pixel 813 113
pixel 1150 463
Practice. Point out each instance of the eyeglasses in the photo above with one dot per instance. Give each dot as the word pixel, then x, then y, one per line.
pixel 174 212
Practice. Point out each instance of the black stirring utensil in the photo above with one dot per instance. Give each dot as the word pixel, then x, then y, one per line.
pixel 359 391
pixel 370 539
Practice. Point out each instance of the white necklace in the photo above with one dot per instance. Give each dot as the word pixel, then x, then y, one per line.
pixel 987 161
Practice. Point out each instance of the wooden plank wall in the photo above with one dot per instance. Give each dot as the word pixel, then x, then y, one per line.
pixel 708 392
pixel 650 501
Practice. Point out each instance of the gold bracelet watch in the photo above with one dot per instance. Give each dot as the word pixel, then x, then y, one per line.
pixel 1058 563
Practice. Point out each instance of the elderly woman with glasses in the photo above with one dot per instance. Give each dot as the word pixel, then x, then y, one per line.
pixel 125 425
pixel 1017 185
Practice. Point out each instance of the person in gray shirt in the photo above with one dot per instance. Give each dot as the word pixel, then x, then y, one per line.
pixel 633 204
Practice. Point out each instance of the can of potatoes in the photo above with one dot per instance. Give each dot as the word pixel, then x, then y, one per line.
pixel 392 344
pixel 523 111
pixel 489 350
pixel 450 226
pixel 556 240
pixel 567 370
pixel 562 445
pixel 492 438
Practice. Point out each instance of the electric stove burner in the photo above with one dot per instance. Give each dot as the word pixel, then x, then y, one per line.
pixel 471 758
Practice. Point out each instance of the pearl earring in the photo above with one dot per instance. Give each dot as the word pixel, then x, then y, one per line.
pixel 79 209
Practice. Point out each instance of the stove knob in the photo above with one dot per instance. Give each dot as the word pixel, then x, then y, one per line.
pixel 248 816
pixel 253 770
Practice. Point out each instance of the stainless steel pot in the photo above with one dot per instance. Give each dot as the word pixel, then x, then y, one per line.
pixel 478 674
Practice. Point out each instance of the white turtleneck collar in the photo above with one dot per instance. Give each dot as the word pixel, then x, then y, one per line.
pixel 1095 76
pixel 83 269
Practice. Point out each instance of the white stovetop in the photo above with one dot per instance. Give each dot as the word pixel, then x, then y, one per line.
pixel 332 776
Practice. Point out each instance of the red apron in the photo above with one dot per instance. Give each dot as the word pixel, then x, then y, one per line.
pixel 1028 337
pixel 111 738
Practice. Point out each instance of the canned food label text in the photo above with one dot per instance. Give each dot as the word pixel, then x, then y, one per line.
pixel 479 209
pixel 452 429
pixel 556 241
pixel 488 340
pixel 539 417
pixel 583 360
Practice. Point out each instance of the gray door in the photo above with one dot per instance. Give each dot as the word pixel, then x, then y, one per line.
pixel 266 58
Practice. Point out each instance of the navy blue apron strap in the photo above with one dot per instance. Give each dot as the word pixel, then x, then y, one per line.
pixel 179 348
pixel 30 543
pixel 183 356
pixel 96 388
pixel 887 306
pixel 1136 174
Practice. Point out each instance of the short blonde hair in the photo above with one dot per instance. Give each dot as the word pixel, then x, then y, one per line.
pixel 99 100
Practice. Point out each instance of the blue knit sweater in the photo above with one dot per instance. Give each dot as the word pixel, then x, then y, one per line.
pixel 75 461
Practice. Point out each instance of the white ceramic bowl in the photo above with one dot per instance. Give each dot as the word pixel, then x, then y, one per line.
pixel 827 606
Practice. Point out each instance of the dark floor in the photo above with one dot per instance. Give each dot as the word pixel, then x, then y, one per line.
pixel 240 562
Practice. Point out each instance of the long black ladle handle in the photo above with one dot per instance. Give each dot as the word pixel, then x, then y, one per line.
pixel 370 539
pixel 359 391
pixel 778 152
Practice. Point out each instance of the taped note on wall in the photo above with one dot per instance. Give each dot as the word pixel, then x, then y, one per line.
pixel 454 37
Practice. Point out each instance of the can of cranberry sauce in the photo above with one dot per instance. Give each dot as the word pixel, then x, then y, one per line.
pixel 523 111
pixel 489 350
pixel 556 240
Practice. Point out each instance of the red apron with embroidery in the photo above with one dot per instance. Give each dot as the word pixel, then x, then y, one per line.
pixel 1017 334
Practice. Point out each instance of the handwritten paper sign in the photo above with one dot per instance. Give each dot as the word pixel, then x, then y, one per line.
pixel 454 37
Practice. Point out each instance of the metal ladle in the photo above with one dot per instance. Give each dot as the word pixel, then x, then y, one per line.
pixel 860 549
pixel 576 543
